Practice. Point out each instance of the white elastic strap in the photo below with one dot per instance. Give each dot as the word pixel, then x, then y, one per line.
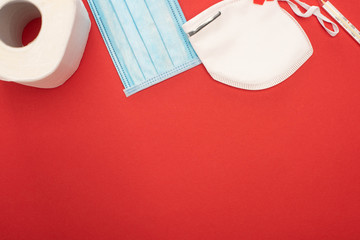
pixel 313 10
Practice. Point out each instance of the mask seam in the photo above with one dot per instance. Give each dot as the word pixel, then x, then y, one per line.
pixel 162 77
pixel 298 24
pixel 267 84
pixel 185 38
pixel 119 67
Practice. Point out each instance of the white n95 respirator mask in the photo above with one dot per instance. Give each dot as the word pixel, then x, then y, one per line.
pixel 251 46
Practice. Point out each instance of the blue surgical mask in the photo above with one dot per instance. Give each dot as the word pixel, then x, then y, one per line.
pixel 145 39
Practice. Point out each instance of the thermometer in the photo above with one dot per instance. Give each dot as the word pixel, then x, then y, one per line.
pixel 346 24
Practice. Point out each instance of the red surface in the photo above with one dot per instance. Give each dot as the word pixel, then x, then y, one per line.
pixel 190 158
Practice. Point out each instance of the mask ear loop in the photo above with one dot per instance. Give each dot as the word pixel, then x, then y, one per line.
pixel 313 10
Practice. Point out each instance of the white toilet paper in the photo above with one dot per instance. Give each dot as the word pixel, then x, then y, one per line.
pixel 55 54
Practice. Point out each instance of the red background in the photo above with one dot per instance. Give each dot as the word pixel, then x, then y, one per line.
pixel 189 158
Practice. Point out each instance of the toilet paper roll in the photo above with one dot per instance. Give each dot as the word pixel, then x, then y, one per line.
pixel 56 52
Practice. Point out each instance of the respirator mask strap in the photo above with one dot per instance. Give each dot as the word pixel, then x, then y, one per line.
pixel 313 10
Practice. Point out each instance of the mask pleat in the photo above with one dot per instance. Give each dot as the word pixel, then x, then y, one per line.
pixel 135 41
pixel 150 35
pixel 128 71
pixel 168 31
